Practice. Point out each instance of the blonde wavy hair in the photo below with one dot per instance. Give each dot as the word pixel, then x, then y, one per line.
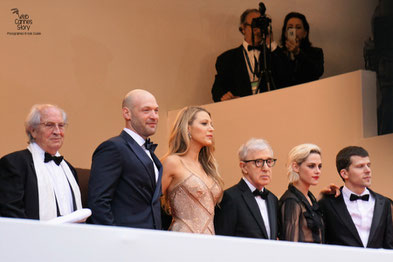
pixel 179 142
pixel 299 154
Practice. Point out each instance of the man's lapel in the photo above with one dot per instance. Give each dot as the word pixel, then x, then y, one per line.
pixel 157 192
pixel 377 216
pixel 343 214
pixel 243 66
pixel 252 205
pixel 141 155
pixel 272 213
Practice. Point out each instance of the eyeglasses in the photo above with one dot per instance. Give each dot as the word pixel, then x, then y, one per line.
pixel 270 162
pixel 52 126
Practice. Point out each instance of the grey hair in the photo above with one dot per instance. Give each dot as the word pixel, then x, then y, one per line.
pixel 254 144
pixel 243 17
pixel 33 119
pixel 299 154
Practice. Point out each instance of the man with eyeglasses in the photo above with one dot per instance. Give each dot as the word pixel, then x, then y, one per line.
pixel 37 183
pixel 238 69
pixel 248 209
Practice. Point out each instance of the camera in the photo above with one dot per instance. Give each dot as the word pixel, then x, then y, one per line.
pixel 263 21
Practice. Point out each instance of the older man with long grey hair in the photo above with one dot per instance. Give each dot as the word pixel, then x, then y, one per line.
pixel 37 183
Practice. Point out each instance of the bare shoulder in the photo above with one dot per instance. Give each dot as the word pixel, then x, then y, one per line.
pixel 173 173
pixel 171 162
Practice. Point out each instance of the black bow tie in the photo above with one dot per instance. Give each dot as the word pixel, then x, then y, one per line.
pixel 149 145
pixel 49 157
pixel 263 194
pixel 250 47
pixel 354 197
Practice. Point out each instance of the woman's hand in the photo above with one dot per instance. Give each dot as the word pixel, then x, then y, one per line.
pixel 293 47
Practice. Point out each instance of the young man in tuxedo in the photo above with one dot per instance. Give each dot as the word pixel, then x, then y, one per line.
pixel 125 180
pixel 248 209
pixel 359 216
pixel 37 183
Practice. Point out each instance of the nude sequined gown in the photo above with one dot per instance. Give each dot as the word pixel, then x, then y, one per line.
pixel 192 205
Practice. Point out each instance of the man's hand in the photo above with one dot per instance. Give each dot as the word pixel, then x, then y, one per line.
pixel 228 96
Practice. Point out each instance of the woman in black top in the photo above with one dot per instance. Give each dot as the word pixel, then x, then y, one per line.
pixel 301 62
pixel 301 219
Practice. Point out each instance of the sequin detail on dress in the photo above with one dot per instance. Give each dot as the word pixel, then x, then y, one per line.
pixel 192 205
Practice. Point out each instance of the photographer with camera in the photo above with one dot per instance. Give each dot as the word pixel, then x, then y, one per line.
pixel 247 69
pixel 302 62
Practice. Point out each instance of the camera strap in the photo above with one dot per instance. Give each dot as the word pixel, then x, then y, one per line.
pixel 255 71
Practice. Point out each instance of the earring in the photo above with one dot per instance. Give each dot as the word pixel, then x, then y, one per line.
pixel 189 135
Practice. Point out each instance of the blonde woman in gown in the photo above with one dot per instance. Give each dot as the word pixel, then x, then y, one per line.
pixel 191 184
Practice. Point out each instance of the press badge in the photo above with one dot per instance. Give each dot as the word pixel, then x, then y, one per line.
pixel 254 87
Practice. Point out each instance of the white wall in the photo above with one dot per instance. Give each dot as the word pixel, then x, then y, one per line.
pixel 23 240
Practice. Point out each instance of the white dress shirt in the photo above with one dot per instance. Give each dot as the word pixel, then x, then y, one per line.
pixel 252 56
pixel 361 212
pixel 140 141
pixel 262 206
pixel 60 183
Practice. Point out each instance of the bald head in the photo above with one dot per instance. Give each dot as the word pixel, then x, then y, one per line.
pixel 131 99
pixel 140 111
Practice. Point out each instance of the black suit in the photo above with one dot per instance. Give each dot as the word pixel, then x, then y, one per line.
pixel 232 74
pixel 340 229
pixel 18 186
pixel 238 214
pixel 122 187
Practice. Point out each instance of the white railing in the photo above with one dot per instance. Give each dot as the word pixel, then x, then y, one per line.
pixel 27 240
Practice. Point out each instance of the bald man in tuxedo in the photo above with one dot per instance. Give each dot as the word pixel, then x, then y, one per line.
pixel 125 181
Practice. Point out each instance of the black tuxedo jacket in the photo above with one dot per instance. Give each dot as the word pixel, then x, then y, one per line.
pixel 340 229
pixel 238 214
pixel 122 187
pixel 232 74
pixel 18 186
